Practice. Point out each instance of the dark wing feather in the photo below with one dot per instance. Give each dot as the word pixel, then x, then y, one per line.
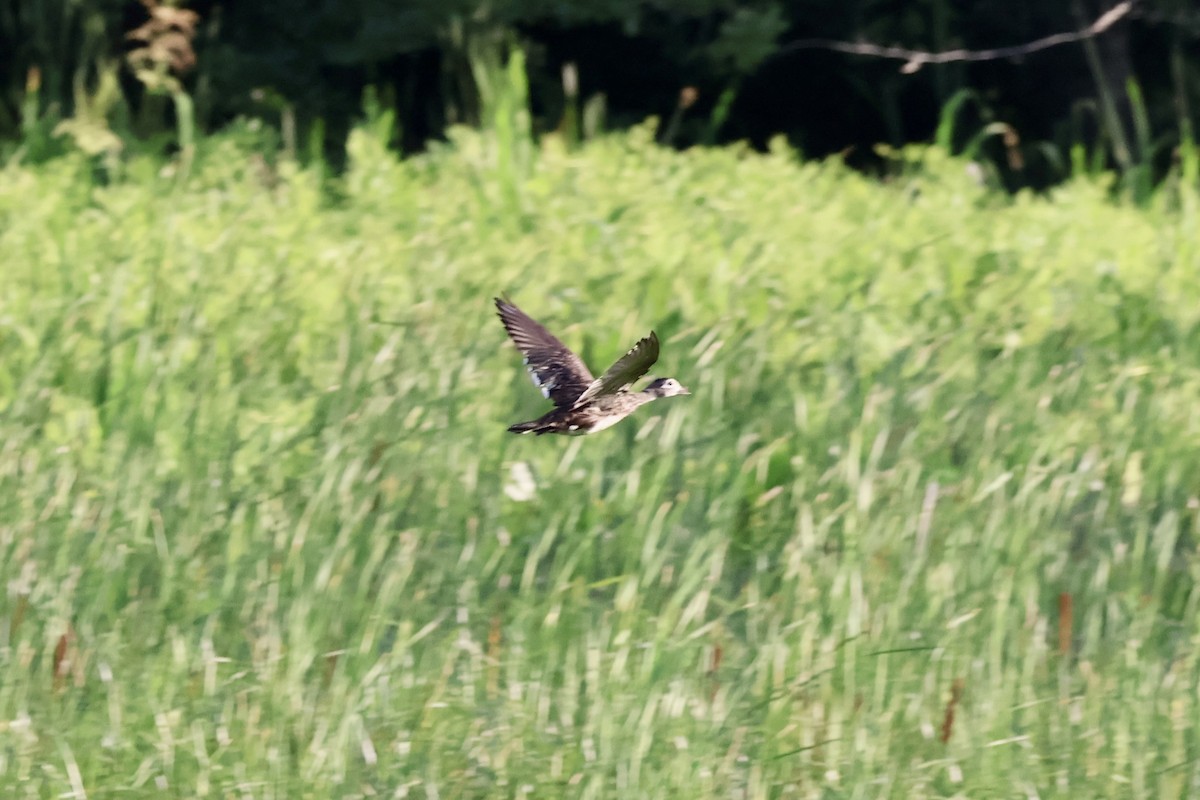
pixel 628 369
pixel 558 372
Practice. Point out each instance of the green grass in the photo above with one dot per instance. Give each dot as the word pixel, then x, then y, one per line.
pixel 263 534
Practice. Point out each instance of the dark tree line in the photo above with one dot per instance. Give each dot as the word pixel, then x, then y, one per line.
pixel 712 70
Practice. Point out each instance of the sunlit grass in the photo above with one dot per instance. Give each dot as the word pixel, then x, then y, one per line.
pixel 262 532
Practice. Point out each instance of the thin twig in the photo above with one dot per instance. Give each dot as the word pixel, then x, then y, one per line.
pixel 915 59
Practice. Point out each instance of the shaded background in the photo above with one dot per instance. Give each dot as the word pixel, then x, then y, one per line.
pixel 305 66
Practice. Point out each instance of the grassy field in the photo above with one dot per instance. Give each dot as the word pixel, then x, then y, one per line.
pixel 927 526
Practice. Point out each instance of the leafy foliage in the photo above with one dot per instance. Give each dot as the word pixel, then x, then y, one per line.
pixel 304 66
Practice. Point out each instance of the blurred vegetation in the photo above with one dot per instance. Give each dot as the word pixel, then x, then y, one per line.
pixel 119 72
pixel 927 526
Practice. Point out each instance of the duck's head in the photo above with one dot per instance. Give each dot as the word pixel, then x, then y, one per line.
pixel 665 387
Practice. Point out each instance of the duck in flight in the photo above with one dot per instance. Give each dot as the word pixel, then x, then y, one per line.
pixel 582 404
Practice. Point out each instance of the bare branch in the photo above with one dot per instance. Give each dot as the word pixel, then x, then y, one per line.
pixel 915 59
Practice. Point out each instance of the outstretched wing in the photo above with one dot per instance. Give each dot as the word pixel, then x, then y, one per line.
pixel 628 369
pixel 558 372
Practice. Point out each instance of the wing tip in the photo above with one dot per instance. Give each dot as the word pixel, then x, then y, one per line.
pixel 508 313
pixel 652 344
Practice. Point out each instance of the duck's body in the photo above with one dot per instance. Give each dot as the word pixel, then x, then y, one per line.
pixel 583 404
pixel 598 414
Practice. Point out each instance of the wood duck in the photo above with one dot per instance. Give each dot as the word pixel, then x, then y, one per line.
pixel 582 404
